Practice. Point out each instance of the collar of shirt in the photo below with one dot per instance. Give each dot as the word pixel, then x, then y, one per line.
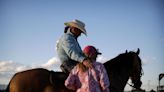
pixel 70 33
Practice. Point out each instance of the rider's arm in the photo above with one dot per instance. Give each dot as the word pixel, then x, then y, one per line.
pixel 73 49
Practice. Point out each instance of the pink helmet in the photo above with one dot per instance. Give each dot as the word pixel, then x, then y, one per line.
pixel 90 51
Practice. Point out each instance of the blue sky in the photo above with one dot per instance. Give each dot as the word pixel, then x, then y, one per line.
pixel 29 30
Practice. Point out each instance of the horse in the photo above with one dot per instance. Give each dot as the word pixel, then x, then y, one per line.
pixel 120 69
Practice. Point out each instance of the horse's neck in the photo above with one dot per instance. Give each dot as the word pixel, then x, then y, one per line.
pixel 118 78
pixel 118 74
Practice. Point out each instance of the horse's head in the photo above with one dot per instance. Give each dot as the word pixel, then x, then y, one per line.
pixel 122 67
pixel 136 71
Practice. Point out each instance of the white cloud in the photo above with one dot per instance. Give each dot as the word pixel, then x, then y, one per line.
pixel 148 60
pixel 22 68
pixel 52 63
pixel 101 59
pixel 11 66
pixel 8 68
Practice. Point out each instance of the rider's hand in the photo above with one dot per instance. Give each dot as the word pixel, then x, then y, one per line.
pixel 87 63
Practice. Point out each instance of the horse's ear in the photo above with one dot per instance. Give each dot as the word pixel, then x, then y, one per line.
pixel 138 51
pixel 126 51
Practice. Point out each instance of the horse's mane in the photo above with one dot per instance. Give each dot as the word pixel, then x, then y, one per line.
pixel 122 60
pixel 119 60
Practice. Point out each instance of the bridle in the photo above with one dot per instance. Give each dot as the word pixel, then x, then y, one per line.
pixel 132 85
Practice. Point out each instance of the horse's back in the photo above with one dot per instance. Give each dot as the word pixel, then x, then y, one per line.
pixel 30 81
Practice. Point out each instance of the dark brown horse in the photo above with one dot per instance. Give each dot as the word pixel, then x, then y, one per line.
pixel 119 70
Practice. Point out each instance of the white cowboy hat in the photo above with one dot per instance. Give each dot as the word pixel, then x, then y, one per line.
pixel 78 24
